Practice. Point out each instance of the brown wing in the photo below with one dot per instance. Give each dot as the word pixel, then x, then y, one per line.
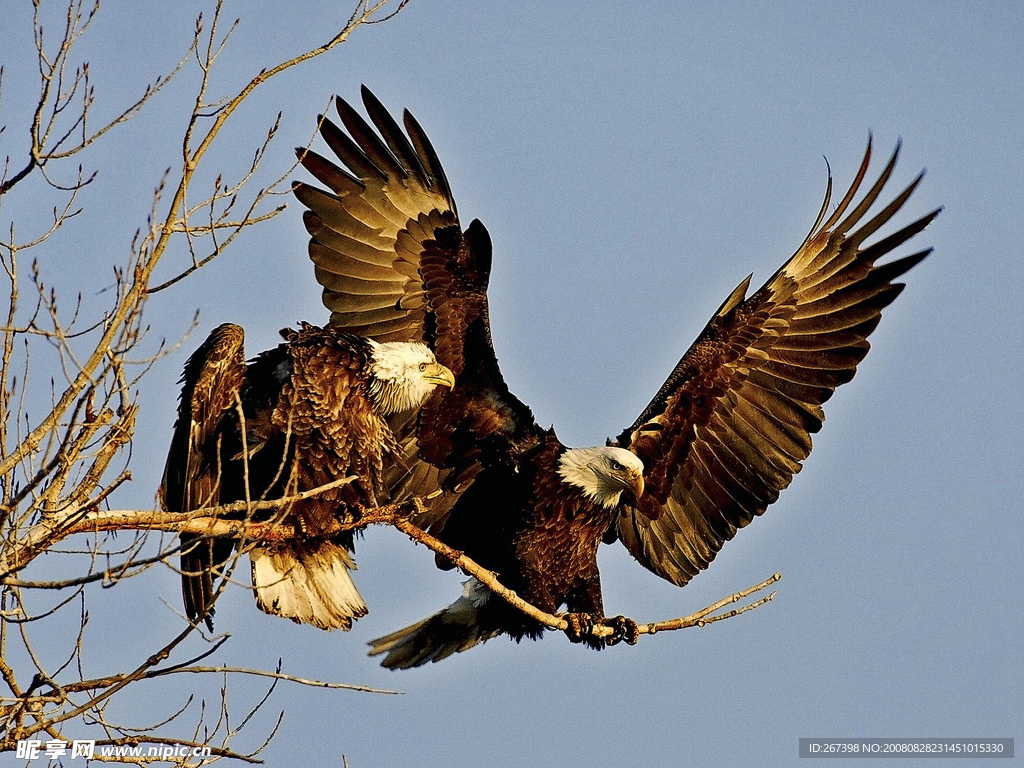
pixel 193 475
pixel 368 231
pixel 731 426
pixel 396 265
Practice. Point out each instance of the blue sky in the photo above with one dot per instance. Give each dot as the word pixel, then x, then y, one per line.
pixel 632 165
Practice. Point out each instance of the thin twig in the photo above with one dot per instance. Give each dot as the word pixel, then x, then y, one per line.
pixel 280 676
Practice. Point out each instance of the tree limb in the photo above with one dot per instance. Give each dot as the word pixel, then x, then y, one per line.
pixel 208 522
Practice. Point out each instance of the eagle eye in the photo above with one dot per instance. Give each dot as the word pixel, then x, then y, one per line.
pixel 616 466
pixel 423 367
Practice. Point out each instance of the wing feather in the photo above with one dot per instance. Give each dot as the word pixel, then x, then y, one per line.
pixel 731 426
pixel 192 477
pixel 393 136
pixel 395 264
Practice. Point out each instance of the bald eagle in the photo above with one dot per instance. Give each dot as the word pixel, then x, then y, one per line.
pixel 718 442
pixel 312 410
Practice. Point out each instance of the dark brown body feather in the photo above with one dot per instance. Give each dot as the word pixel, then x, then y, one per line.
pixel 720 440
pixel 537 533
pixel 308 420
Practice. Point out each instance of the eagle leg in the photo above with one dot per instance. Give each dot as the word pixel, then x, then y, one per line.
pixel 580 626
pixel 625 629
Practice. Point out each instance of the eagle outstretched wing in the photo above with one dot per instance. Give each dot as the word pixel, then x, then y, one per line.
pixel 193 473
pixel 396 265
pixel 731 425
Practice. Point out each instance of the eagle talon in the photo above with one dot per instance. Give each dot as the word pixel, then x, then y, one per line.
pixel 625 629
pixel 411 507
pixel 580 626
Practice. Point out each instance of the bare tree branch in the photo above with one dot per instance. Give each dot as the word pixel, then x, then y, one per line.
pixel 490 579
pixel 208 522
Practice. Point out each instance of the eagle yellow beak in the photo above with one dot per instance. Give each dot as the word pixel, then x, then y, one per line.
pixel 638 486
pixel 439 375
pixel 634 482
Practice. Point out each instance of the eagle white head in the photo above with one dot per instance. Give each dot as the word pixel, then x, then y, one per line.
pixel 404 375
pixel 604 473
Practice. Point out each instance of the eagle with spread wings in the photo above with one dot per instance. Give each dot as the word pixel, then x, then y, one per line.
pixel 719 441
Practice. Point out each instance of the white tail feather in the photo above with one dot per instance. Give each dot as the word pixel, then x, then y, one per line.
pixel 451 630
pixel 309 584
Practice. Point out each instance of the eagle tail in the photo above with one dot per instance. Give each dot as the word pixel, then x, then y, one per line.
pixel 461 625
pixel 307 583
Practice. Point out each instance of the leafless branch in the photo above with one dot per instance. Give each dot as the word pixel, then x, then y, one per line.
pixel 281 676
pixel 209 522
pixel 490 579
